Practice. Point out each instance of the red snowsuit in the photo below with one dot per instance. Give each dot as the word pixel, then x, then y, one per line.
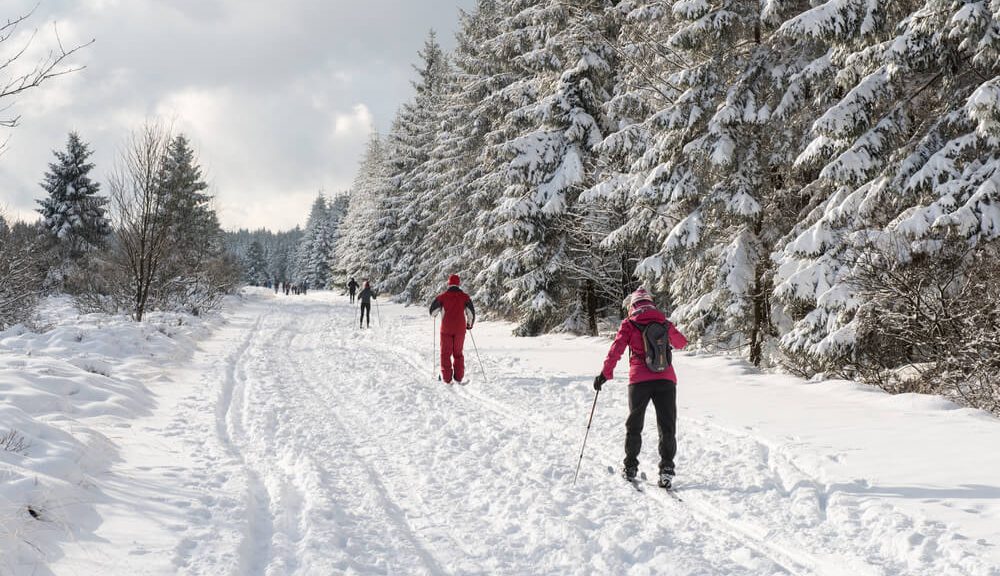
pixel 456 305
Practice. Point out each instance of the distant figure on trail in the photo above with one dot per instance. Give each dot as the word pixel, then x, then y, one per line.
pixel 287 287
pixel 365 297
pixel 352 287
pixel 459 316
pixel 277 285
pixel 650 377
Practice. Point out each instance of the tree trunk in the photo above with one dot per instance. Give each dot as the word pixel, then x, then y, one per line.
pixel 590 295
pixel 761 297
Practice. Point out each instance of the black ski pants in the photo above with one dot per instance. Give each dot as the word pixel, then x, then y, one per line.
pixel 352 296
pixel 663 394
pixel 366 309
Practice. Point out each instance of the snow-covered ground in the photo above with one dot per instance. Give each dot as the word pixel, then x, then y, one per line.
pixel 278 438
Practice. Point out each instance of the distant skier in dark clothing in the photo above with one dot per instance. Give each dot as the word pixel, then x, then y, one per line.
pixel 459 316
pixel 646 384
pixel 352 287
pixel 365 297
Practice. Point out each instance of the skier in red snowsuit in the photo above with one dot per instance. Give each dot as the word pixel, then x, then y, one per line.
pixel 459 316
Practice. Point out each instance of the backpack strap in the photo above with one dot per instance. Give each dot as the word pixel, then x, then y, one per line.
pixel 639 328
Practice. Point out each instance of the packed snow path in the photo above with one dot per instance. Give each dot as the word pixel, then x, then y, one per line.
pixel 316 447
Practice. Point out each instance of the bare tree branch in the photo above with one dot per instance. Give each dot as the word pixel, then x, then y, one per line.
pixel 52 65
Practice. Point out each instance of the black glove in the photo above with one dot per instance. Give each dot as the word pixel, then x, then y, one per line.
pixel 468 326
pixel 599 381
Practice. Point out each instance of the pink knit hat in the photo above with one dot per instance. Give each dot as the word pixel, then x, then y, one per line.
pixel 640 295
pixel 453 280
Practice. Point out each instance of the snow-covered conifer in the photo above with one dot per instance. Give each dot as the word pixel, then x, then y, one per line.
pixel 907 153
pixel 194 272
pixel 452 194
pixel 315 247
pixel 406 210
pixel 549 155
pixel 73 213
pixel 724 153
pixel 187 206
pixel 356 248
pixel 255 265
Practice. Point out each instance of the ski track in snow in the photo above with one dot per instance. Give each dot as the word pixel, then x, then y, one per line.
pixel 336 451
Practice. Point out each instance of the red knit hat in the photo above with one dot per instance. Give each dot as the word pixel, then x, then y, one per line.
pixel 453 280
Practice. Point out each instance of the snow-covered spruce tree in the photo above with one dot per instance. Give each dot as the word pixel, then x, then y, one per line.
pixel 908 153
pixel 565 76
pixel 313 253
pixel 492 77
pixel 73 213
pixel 625 219
pixel 336 215
pixel 724 154
pixel 454 165
pixel 406 211
pixel 255 265
pixel 356 247
pixel 186 205
pixel 194 273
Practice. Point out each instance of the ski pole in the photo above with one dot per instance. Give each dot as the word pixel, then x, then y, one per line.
pixel 378 310
pixel 434 342
pixel 485 379
pixel 589 420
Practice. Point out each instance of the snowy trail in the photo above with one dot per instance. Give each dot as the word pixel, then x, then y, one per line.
pixel 293 443
pixel 358 462
pixel 355 460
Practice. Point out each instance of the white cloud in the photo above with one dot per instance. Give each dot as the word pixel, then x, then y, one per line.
pixel 357 124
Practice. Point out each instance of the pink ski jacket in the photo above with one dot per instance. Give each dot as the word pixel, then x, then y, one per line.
pixel 631 337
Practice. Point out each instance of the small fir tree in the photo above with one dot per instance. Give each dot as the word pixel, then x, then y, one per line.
pixel 73 213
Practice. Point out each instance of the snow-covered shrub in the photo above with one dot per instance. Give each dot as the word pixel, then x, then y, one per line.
pixel 930 323
pixel 105 288
pixel 201 289
pixel 20 275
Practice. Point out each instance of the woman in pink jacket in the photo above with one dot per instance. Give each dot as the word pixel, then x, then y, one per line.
pixel 648 381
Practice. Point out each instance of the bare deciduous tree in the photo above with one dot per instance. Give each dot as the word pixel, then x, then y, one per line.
pixel 142 234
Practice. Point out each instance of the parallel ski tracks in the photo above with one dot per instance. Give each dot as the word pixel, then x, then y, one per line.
pixel 795 562
pixel 303 373
pixel 255 547
pixel 256 551
pixel 792 561
pixel 368 474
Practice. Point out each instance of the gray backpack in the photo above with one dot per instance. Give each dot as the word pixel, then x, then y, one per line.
pixel 657 344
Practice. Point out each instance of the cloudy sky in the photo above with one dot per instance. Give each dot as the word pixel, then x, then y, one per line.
pixel 277 96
